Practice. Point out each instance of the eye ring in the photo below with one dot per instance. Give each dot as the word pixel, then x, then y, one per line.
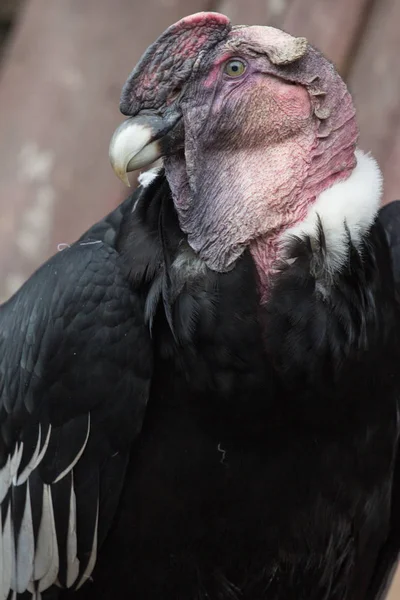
pixel 235 67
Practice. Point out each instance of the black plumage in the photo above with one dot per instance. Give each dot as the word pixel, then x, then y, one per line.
pixel 265 462
pixel 387 562
pixel 69 371
pixel 284 457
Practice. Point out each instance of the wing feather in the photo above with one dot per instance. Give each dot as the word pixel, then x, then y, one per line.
pixel 93 555
pixel 46 558
pixel 70 378
pixel 25 547
pixel 73 462
pixel 7 547
pixel 72 545
pixel 5 479
pixel 23 476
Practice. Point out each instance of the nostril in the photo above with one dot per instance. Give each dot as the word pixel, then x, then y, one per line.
pixel 173 95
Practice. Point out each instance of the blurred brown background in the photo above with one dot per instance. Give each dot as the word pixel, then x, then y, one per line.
pixel 63 63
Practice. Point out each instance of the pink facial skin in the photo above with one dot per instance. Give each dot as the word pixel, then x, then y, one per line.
pixel 259 148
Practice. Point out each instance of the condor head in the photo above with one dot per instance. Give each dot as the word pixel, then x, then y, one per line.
pixel 255 126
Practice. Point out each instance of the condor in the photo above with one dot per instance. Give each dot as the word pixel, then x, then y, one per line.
pixel 199 398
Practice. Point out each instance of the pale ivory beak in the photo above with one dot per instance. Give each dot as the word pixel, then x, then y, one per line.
pixel 137 143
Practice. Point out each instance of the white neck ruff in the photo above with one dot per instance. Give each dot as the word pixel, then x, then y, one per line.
pixel 349 207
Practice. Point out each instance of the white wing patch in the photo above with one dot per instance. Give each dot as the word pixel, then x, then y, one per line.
pixel 72 542
pixel 46 557
pixel 16 459
pixel 7 555
pixel 30 561
pixel 5 479
pixel 36 459
pixel 18 480
pixel 93 555
pixel 77 457
pixel 25 548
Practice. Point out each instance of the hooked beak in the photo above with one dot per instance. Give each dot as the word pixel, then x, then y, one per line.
pixel 141 140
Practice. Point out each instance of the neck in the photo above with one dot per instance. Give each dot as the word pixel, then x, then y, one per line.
pixel 351 199
pixel 228 199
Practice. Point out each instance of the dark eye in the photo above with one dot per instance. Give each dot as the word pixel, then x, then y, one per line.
pixel 234 68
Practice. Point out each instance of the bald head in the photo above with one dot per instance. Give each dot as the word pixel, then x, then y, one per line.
pixel 170 60
pixel 262 124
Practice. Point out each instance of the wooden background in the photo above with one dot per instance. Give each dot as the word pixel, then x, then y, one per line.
pixel 62 67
